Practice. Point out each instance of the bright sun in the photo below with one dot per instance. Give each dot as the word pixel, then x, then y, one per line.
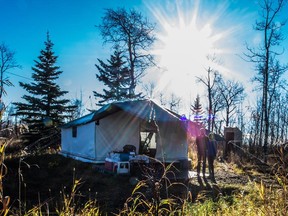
pixel 183 50
pixel 185 47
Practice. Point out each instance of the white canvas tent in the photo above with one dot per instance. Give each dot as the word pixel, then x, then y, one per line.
pixel 92 137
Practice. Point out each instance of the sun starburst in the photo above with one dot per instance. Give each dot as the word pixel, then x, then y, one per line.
pixel 184 42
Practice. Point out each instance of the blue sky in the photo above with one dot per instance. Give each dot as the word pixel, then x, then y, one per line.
pixel 78 44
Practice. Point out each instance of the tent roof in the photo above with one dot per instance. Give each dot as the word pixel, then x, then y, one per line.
pixel 144 109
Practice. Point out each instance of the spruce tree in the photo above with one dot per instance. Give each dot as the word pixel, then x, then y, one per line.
pixel 115 76
pixel 197 110
pixel 44 106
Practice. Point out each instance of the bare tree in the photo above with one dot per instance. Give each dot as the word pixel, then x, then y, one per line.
pixel 7 62
pixel 275 108
pixel 217 106
pixel 149 89
pixel 264 55
pixel 174 103
pixel 210 83
pixel 254 126
pixel 79 107
pixel 162 99
pixel 283 118
pixel 232 93
pixel 133 34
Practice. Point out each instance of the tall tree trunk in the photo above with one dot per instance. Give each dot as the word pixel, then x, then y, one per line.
pixel 265 91
pixel 227 117
pixel 132 69
pixel 210 99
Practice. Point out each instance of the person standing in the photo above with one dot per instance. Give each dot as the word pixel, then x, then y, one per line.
pixel 211 155
pixel 201 143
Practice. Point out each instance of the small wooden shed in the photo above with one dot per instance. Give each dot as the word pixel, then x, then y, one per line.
pixel 233 140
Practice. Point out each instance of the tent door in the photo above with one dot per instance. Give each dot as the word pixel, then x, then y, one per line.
pixel 148 143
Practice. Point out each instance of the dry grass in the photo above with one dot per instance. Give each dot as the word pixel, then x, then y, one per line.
pixel 4 200
pixel 150 196
pixel 254 199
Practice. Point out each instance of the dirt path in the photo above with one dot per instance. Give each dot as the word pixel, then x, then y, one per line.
pixel 226 175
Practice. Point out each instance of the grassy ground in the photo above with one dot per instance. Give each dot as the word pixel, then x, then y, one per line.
pixel 58 183
pixel 47 178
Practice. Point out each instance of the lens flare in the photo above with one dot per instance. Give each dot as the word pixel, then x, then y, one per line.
pixel 185 39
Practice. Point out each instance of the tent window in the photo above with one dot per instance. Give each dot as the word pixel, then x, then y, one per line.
pixel 74 131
